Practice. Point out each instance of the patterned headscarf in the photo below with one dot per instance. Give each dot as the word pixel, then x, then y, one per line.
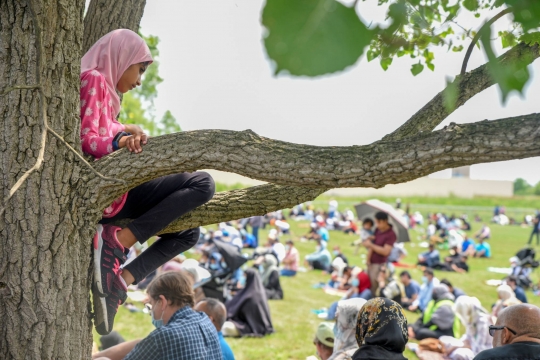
pixel 381 322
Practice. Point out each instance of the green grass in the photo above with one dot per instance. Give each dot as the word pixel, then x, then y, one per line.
pixel 292 319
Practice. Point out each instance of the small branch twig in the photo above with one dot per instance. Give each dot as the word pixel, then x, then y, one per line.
pixel 19 87
pixel 479 34
pixel 97 173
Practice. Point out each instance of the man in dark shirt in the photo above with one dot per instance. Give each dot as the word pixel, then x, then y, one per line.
pixel 379 247
pixel 516 335
pixel 457 292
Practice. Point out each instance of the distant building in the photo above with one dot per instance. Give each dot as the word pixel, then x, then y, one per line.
pixel 459 185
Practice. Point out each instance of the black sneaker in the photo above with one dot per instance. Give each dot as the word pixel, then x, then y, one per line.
pixel 105 308
pixel 109 255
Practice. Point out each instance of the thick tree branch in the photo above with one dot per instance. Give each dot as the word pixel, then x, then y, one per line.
pixel 467 86
pixel 238 204
pixel 104 16
pixel 375 165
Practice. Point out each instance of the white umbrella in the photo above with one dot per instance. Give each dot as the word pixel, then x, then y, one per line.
pixel 371 207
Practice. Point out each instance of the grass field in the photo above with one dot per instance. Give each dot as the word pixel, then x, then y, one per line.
pixel 292 319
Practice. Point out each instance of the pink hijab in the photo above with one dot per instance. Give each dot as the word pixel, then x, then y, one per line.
pixel 113 54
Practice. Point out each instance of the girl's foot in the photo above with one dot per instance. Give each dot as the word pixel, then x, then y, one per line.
pixel 105 308
pixel 109 255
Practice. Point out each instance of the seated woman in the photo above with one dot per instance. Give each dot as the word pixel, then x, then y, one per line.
pixel 248 311
pixel 270 277
pixel 507 297
pixel 476 321
pixel 291 260
pixel 439 317
pixel 345 329
pixel 381 331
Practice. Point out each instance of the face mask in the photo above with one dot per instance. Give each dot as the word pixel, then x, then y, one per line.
pixel 214 266
pixel 223 265
pixel 424 279
pixel 336 253
pixel 355 283
pixel 261 268
pixel 287 248
pixel 156 322
pixel 318 248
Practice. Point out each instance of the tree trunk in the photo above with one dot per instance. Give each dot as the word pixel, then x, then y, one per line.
pixel 105 16
pixel 44 248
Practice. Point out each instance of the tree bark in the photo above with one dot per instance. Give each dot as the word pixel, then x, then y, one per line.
pixel 104 16
pixel 278 162
pixel 44 248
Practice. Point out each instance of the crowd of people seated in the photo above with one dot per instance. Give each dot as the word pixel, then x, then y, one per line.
pixel 367 323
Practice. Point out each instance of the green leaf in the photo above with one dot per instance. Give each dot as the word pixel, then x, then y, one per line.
pixel 512 76
pixel 385 63
pixel 417 69
pixel 470 5
pixel 313 37
pixel 450 94
pixel 526 12
pixel 507 39
pixel 430 66
pixel 531 38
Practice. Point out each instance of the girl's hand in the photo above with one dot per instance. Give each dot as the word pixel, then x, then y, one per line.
pixel 133 142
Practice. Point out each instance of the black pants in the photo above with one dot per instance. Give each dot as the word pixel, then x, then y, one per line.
pixel 535 232
pixel 421 332
pixel 154 205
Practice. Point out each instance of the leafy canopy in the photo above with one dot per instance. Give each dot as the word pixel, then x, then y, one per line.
pixel 317 37
pixel 138 105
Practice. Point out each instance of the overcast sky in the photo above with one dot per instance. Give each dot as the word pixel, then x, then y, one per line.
pixel 217 75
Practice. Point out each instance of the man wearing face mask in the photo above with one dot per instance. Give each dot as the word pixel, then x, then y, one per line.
pixel 516 335
pixel 426 289
pixel 181 333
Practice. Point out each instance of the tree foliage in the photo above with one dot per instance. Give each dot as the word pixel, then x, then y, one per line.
pixel 317 37
pixel 522 187
pixel 138 105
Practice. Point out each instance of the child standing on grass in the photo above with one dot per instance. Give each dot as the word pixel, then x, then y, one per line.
pixel 116 63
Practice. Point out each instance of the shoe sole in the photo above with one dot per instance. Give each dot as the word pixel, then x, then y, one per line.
pixel 98 247
pixel 101 322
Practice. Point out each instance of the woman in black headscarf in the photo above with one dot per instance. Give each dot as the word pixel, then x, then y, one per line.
pixel 248 312
pixel 381 331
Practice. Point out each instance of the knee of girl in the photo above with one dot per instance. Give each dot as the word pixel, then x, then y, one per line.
pixel 195 238
pixel 206 184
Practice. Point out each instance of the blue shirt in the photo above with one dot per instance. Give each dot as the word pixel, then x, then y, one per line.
pixel 225 348
pixel 424 297
pixel 520 294
pixel 324 234
pixel 412 289
pixel 188 335
pixel 466 244
pixel 484 246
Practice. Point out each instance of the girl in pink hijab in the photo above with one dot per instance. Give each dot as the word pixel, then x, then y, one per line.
pixel 114 64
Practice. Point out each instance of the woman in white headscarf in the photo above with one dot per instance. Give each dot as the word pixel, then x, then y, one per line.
pixel 507 297
pixel 345 344
pixel 476 321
